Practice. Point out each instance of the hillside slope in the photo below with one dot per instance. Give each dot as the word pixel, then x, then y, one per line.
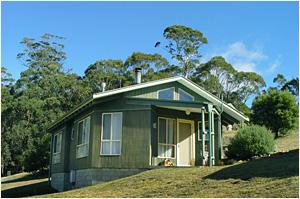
pixel 275 176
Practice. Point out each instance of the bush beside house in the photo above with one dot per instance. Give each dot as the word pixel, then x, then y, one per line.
pixel 250 141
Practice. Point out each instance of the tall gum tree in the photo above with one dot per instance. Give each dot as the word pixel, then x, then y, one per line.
pixel 183 45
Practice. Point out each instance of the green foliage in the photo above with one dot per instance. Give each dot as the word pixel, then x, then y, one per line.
pixel 153 66
pixel 250 141
pixel 183 45
pixel 221 79
pixel 289 85
pixel 112 72
pixel 277 110
pixel 43 93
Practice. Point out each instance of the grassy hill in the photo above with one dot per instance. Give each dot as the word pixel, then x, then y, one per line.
pixel 274 176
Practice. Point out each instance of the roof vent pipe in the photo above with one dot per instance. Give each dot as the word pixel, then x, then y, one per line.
pixel 138 75
pixel 103 85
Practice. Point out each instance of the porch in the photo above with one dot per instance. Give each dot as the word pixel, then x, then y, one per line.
pixel 186 133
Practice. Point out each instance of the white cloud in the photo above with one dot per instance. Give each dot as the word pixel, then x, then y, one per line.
pixel 273 66
pixel 243 58
pixel 245 66
pixel 240 56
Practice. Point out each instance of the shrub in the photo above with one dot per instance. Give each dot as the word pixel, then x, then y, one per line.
pixel 250 141
pixel 277 110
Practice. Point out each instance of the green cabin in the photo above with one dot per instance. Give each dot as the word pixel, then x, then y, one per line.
pixel 124 131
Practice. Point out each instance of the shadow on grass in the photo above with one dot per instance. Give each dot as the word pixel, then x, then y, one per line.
pixel 26 178
pixel 28 190
pixel 279 165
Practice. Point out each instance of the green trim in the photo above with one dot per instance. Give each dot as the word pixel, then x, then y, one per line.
pixel 149 101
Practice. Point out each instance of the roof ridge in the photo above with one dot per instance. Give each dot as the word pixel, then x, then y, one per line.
pixel 136 85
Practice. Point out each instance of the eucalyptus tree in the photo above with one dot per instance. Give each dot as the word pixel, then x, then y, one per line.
pixel 111 72
pixel 183 45
pixel 153 66
pixel 223 80
pixel 6 118
pixel 44 92
pixel 290 85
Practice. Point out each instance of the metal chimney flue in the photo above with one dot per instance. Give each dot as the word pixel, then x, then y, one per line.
pixel 103 85
pixel 138 75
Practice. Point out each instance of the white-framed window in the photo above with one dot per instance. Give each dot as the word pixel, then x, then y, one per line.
pixel 185 96
pixel 111 135
pixel 166 137
pixel 83 135
pixel 72 133
pixel 57 139
pixel 166 94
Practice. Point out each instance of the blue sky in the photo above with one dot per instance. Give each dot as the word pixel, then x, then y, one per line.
pixel 252 36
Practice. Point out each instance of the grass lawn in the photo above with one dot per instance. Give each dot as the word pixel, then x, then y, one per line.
pixel 275 176
pixel 24 184
pixel 289 142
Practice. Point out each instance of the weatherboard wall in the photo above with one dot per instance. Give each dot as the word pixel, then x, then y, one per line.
pixel 135 143
pixel 139 134
pixel 151 92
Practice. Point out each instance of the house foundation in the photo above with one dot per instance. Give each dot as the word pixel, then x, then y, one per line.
pixel 85 177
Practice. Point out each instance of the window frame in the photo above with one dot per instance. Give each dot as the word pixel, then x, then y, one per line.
pixel 87 143
pixel 57 155
pixel 111 140
pixel 165 144
pixel 181 90
pixel 174 93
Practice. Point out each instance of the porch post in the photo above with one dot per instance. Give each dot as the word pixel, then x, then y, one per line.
pixel 212 134
pixel 50 161
pixel 209 134
pixel 220 140
pixel 203 135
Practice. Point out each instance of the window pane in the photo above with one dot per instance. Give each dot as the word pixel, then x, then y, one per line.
pixel 161 150
pixel 116 126
pixel 184 96
pixel 55 144
pixel 59 142
pixel 87 130
pixel 83 135
pixel 106 126
pixel 105 148
pixel 116 147
pixel 170 151
pixel 80 131
pixel 167 94
pixel 171 129
pixel 162 130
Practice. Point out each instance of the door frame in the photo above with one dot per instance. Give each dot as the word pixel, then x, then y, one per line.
pixel 192 156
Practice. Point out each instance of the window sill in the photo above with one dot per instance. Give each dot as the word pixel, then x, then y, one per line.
pixel 81 157
pixel 166 158
pixel 110 154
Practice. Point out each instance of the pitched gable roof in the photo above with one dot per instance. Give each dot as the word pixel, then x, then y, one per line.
pixel 230 109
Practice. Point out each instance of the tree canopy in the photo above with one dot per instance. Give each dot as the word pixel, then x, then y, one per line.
pixel 222 79
pixel 183 45
pixel 275 109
